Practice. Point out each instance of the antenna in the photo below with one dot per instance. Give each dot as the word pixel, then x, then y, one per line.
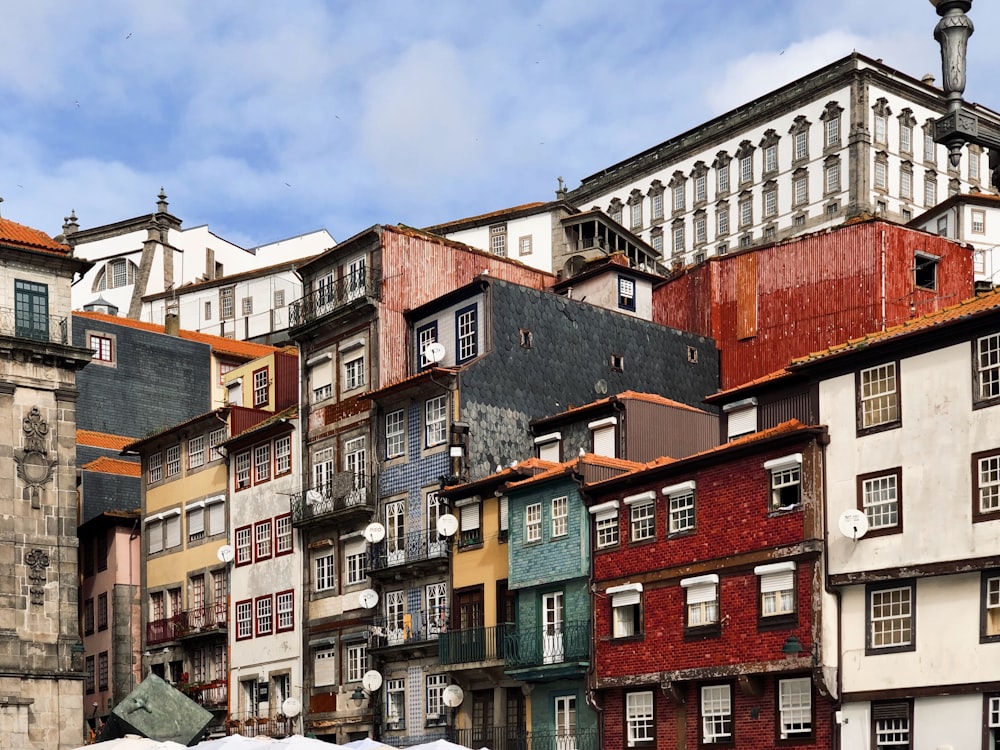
pixel 374 532
pixel 447 525
pixel 434 352
pixel 853 524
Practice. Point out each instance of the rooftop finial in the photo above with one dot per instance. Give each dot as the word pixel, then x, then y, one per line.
pixel 70 224
pixel 161 204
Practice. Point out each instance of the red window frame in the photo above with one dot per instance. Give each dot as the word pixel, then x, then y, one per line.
pixel 257 528
pixel 277 611
pixel 278 550
pixel 242 559
pixel 249 605
pixel 256 615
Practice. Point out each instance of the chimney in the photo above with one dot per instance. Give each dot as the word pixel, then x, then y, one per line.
pixel 172 319
pixel 928 78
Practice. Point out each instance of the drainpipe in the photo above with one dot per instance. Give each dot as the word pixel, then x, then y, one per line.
pixel 590 691
pixel 823 442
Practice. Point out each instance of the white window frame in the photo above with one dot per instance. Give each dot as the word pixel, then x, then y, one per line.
pixel 435 421
pixel 626 610
pixel 434 685
pixel 605 524
pixel 357 661
pixel 701 600
pixel 560 516
pixel 891 612
pixel 716 708
pixel 533 523
pixel 776 582
pixel 395 433
pixel 325 571
pixel 639 721
pixel 154 468
pixel 879 395
pixel 354 373
pixel 172 467
pixel 794 707
pixel 196 452
pixel 880 501
pixel 283 455
pixel 681 507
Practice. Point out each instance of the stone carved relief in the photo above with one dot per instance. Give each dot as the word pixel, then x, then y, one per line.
pixel 37 561
pixel 34 467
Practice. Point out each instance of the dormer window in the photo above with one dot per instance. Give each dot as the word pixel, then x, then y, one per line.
pixel 626 293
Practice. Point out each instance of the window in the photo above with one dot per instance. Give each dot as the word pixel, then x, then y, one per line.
pixel 247 305
pixel 242 470
pixel 395 434
pixel 990 625
pixel 173 461
pixel 891 726
pixel 905 137
pixel 244 546
pixel 265 622
pixel 785 481
pixel 891 616
pixel 746 168
pixel 801 145
pixel 90 674
pixel 794 708
pixel 906 183
pixel 283 539
pixel 832 131
pixel 196 522
pixel 498 240
pixel 262 463
pixel 279 298
pixel 930 190
pixel 31 310
pixel 746 211
pixel 470 524
pixel 244 620
pixel 196 452
pixel 986 471
pixel 605 524
pixel 615 210
pixel 325 566
pixel 357 662
pixel 879 397
pixel 533 523
pixel 776 582
pixel 355 559
pixel 832 176
pixel 678 234
pixel 880 499
pixel 680 507
pixel 700 187
pixel 770 201
pixel 524 245
pixel 702 594
pixel 626 293
pixel 987 367
pixel 354 373
pixel 208 309
pixel 881 172
pixel 466 333
pixel 635 214
pixel 771 158
pixel 930 148
pixel 880 128
pixel 172 527
pixel 283 455
pixel 978 221
pixel 656 202
pixel 88 617
pixel 626 610
pixel 716 714
pixel 435 420
pixel 356 462
pixel 560 516
pixel 285 605
pixel 426 335
pixel 215 440
pixel 101 347
pixel 722 220
pixel 642 522
pixel 102 670
pixel 700 228
pixel 262 540
pixel 154 533
pixel 639 726
pixel 155 472
pixel 925 270
pixel 435 685
pixel 227 300
pixel 395 704
pixel 722 175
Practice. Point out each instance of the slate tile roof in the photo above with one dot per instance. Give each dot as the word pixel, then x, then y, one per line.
pixel 102 440
pixel 105 465
pixel 221 345
pixel 18 235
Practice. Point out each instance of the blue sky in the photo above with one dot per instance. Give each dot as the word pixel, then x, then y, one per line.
pixel 267 120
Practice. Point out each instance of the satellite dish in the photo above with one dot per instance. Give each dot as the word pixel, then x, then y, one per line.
pixel 452 696
pixel 226 553
pixel 375 532
pixel 371 680
pixel 433 352
pixel 291 707
pixel 853 524
pixel 447 525
pixel 368 598
pixel 313 496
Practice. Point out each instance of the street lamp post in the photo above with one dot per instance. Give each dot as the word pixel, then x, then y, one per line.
pixel 960 124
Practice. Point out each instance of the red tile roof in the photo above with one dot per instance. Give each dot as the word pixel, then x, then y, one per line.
pixel 102 440
pixel 568 467
pixel 221 345
pixel 18 235
pixel 106 465
pixel 483 217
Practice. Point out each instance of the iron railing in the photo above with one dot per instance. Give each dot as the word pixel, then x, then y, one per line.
pixel 511 738
pixel 38 327
pixel 208 694
pixel 346 491
pixel 330 297
pixel 191 621
pixel 413 627
pixel 471 645
pixel 259 726
pixel 404 549
pixel 524 647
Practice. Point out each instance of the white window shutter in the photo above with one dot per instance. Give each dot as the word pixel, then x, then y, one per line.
pixel 702 592
pixel 470 517
pixel 777 582
pixel 626 598
pixel 604 441
pixel 549 451
pixel 741 422
pixel 155 533
pixel 173 531
pixel 325 672
pixel 503 513
pixel 216 518
pixel 196 521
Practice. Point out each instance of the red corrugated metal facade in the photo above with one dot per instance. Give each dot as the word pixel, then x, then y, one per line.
pixel 416 269
pixel 764 307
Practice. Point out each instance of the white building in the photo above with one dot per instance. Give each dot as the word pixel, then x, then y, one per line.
pixel 852 138
pixel 913 523
pixel 973 219
pixel 151 254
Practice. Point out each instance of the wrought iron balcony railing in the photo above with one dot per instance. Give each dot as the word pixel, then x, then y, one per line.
pixel 570 642
pixel 334 296
pixel 165 629
pixel 405 549
pixel 471 645
pixel 412 627
pixel 511 738
pixel 259 726
pixel 38 327
pixel 346 492
pixel 207 618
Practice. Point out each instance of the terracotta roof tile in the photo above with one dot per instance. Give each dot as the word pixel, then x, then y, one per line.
pixel 221 345
pixel 12 233
pixel 102 440
pixel 567 467
pixel 106 465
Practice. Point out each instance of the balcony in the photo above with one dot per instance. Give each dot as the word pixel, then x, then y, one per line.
pixel 474 645
pixel 419 551
pixel 568 645
pixel 420 627
pixel 211 618
pixel 512 738
pixel 344 294
pixel 213 694
pixel 250 725
pixel 345 495
pixel 38 327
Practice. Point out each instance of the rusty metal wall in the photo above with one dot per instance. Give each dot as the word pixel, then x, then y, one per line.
pixel 654 430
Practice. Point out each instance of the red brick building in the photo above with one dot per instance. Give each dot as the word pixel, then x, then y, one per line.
pixel 708 593
pixel 766 306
